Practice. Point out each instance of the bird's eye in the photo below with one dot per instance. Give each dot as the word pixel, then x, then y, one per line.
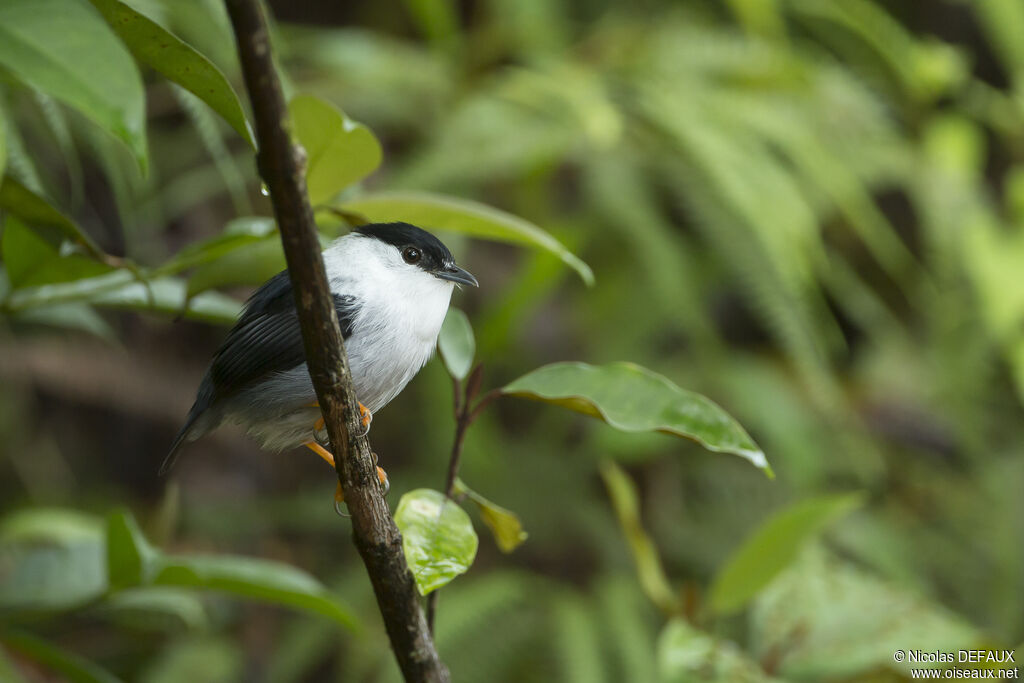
pixel 412 255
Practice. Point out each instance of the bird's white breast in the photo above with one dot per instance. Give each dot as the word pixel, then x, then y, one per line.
pixel 399 316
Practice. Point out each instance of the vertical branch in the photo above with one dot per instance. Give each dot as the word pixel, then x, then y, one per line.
pixel 376 536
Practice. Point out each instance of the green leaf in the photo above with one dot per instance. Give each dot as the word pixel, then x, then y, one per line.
pixel 62 48
pixel 836 621
pixel 50 525
pixel 8 671
pixel 460 215
pixel 177 61
pixel 74 668
pixel 237 233
pixel 649 569
pixel 773 546
pixel 31 260
pixel 437 537
pixel 456 345
pixel 131 560
pixel 254 578
pixel 3 141
pixel 119 289
pixel 52 560
pixel 168 297
pixel 202 658
pixel 504 524
pixel 688 655
pixel 339 151
pixel 156 608
pixel 37 212
pixel 634 399
pixel 243 262
pixel 71 316
pixel 22 251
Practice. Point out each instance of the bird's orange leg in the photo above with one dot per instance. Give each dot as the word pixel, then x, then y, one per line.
pixel 339 497
pixel 366 417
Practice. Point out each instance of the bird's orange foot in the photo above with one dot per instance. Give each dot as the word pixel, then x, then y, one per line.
pixel 365 416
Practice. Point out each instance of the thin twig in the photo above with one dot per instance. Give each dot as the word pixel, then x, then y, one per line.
pixel 464 417
pixel 376 536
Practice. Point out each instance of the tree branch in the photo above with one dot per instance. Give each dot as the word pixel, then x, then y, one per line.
pixel 376 536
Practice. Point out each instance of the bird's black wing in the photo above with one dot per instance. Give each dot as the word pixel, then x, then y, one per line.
pixel 266 339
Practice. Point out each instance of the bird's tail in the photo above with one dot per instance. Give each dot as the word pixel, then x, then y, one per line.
pixel 179 441
pixel 190 430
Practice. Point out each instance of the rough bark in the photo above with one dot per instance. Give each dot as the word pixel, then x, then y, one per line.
pixel 376 537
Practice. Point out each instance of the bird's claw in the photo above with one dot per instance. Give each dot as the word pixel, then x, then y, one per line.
pixel 320 433
pixel 382 479
pixel 365 417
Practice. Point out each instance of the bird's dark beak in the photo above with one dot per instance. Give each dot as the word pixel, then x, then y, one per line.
pixel 453 273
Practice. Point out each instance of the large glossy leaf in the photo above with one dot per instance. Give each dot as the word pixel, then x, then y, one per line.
pixel 634 399
pixel 455 344
pixel 72 667
pixel 64 49
pixel 649 569
pixel 339 151
pixel 772 547
pixel 132 561
pixel 437 537
pixel 37 213
pixel 179 62
pixel 460 215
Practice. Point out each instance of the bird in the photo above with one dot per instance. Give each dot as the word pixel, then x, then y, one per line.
pixel 391 283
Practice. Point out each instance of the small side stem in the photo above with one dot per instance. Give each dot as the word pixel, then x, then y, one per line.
pixel 464 416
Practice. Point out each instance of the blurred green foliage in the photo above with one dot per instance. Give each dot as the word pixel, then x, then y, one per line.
pixel 812 212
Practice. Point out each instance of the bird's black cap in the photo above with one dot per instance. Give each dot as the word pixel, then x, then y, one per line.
pixel 401 235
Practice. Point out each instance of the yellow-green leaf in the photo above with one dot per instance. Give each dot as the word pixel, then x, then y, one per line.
pixel 504 524
pixel 653 580
pixel 634 399
pixel 339 151
pixel 773 546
